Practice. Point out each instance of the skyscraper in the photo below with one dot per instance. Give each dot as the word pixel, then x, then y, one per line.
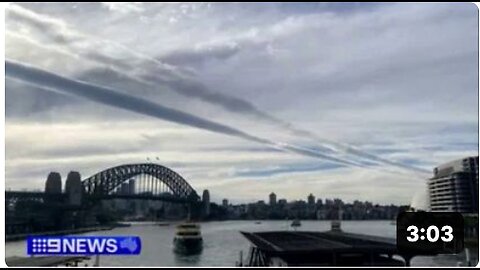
pixel 225 203
pixel 454 186
pixel 311 200
pixel 273 199
pixel 206 202
pixel 124 188
pixel 131 187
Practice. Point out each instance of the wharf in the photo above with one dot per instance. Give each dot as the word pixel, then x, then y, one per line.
pixel 45 260
pixel 331 248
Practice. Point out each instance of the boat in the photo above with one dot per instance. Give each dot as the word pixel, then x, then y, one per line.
pixel 258 222
pixel 121 225
pixel 188 239
pixel 296 223
pixel 336 226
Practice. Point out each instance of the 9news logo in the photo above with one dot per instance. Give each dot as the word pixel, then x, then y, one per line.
pixel 83 245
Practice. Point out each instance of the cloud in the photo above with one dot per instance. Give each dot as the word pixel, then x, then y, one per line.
pixel 287 169
pixel 201 55
pixel 124 7
pixel 366 84
pixel 192 88
pixel 47 80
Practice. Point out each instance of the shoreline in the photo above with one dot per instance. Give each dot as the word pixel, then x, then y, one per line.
pixel 23 236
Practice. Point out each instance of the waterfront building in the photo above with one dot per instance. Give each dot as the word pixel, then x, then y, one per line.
pixel 282 202
pixel 454 186
pixel 273 199
pixel 131 186
pixel 321 214
pixel 311 200
pixel 124 189
pixel 206 202
pixel 328 203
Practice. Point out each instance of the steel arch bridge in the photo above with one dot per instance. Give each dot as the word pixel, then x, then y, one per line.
pixel 108 183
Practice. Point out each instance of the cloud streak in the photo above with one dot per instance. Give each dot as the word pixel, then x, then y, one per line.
pixel 47 80
pixel 164 74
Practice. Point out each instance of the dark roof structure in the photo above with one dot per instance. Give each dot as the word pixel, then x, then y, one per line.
pixel 322 248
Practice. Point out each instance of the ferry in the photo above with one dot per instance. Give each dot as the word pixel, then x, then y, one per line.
pixel 296 223
pixel 188 239
pixel 163 224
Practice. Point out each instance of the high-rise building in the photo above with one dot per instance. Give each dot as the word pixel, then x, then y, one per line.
pixel 454 186
pixel 282 202
pixel 273 199
pixel 311 200
pixel 319 203
pixel 131 187
pixel 206 202
pixel 225 203
pixel 124 188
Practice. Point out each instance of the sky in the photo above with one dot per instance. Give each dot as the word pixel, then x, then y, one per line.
pixel 356 101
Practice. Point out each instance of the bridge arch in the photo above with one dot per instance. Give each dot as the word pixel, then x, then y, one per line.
pixel 107 181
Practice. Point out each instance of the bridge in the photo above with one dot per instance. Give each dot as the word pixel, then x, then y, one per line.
pixel 139 181
pixel 80 200
pixel 144 181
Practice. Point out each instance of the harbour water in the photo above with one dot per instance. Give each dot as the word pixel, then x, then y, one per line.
pixel 223 243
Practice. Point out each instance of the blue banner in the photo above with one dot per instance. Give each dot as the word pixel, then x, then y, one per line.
pixel 83 245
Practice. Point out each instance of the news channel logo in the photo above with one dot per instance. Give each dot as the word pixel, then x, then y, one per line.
pixel 83 245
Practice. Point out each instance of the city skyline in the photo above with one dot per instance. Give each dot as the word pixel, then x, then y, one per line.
pixel 396 81
pixel 278 199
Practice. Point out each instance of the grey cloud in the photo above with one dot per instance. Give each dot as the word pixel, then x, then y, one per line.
pixel 23 101
pixel 110 97
pixel 63 34
pixel 233 104
pixel 188 57
pixel 191 88
pixel 156 69
pixel 53 28
pixel 54 82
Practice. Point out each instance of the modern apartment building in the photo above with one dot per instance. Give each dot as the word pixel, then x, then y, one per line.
pixel 454 186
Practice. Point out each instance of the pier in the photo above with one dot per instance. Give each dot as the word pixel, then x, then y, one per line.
pixel 294 248
pixel 46 261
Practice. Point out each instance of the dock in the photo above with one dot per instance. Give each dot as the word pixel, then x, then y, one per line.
pixel 23 236
pixel 45 261
pixel 330 248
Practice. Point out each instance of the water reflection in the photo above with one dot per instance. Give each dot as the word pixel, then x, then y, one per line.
pixel 182 259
